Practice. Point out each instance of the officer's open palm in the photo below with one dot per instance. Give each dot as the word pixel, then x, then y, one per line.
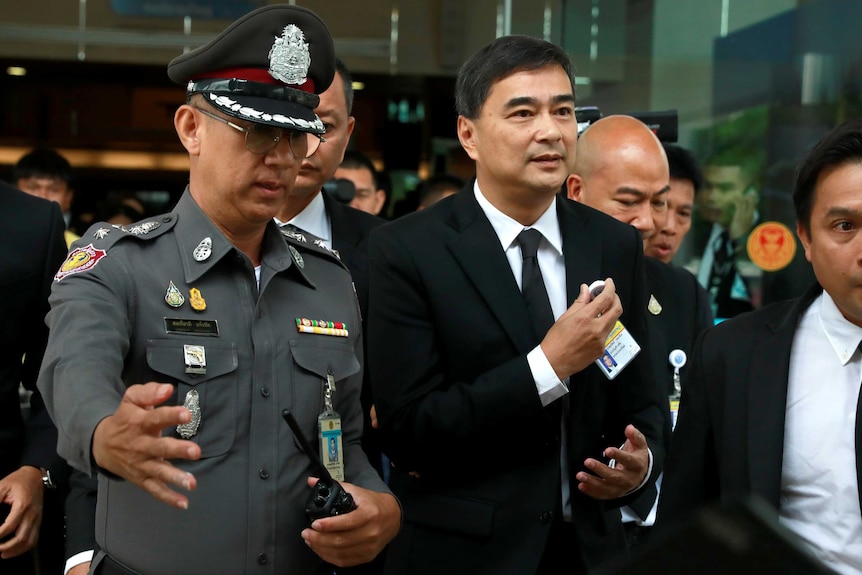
pixel 130 444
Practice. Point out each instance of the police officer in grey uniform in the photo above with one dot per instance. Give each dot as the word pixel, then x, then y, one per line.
pixel 176 343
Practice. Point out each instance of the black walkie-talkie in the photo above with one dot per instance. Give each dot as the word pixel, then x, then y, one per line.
pixel 328 497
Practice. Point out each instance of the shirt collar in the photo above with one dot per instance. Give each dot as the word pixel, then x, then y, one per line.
pixel 507 229
pixel 312 219
pixel 843 336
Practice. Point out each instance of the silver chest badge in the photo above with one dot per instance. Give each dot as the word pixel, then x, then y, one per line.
pixel 289 58
pixel 204 250
pixel 193 404
pixel 297 257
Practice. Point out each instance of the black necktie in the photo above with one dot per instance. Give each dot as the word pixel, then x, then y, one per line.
pixel 532 284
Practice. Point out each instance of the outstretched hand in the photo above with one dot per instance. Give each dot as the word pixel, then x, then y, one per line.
pixel 130 444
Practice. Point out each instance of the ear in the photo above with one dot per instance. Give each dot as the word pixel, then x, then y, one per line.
pixel 381 199
pixel 805 238
pixel 351 123
pixel 187 127
pixel 468 137
pixel 575 187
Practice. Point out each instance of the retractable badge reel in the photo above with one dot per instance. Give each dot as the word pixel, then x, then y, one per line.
pixel 677 359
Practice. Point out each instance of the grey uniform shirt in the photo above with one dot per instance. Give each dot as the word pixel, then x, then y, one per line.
pixel 111 327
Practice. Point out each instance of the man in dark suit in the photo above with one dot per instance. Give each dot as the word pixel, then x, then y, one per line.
pixel 499 423
pixel 32 236
pixel 772 407
pixel 621 169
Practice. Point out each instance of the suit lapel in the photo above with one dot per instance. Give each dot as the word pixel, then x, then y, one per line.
pixel 579 248
pixel 767 401
pixel 477 250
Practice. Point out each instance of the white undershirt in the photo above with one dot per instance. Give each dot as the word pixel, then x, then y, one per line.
pixel 819 491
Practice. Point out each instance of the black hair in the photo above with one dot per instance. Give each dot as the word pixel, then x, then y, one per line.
pixel 354 160
pixel 347 80
pixel 683 165
pixel 501 58
pixel 842 145
pixel 439 184
pixel 42 163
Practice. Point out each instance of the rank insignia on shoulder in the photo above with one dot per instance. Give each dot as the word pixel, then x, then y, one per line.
pixel 143 228
pixel 80 260
pixel 101 233
pixel 321 327
pixel 173 297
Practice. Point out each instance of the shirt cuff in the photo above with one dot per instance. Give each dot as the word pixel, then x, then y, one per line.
pixel 548 385
pixel 613 463
pixel 77 559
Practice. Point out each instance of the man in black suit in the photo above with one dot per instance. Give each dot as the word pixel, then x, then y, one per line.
pixel 621 169
pixel 771 407
pixel 32 237
pixel 499 423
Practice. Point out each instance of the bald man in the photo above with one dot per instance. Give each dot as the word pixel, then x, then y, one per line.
pixel 621 169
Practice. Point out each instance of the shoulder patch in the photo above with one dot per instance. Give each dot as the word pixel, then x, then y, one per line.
pixel 80 260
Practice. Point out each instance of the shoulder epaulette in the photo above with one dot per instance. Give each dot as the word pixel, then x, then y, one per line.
pixel 103 235
pixel 310 244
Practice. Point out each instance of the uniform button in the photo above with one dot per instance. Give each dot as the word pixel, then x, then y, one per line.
pixel 264 474
pixel 264 391
pixel 546 517
pixel 261 558
pixel 166 219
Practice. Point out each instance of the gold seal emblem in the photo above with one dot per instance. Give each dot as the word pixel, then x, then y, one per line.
pixel 196 300
pixel 771 246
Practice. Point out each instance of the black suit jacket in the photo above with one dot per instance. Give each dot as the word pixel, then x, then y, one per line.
pixel 729 438
pixel 33 250
pixel 448 336
pixel 351 230
pixel 685 312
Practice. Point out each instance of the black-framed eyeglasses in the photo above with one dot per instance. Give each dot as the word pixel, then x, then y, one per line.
pixel 261 138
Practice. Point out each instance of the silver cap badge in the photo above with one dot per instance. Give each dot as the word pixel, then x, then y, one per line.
pixel 289 58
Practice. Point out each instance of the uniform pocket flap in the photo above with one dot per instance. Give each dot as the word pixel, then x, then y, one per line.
pixel 192 366
pixel 323 358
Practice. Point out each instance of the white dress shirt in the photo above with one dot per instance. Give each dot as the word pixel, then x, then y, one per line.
pixel 314 220
pixel 819 491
